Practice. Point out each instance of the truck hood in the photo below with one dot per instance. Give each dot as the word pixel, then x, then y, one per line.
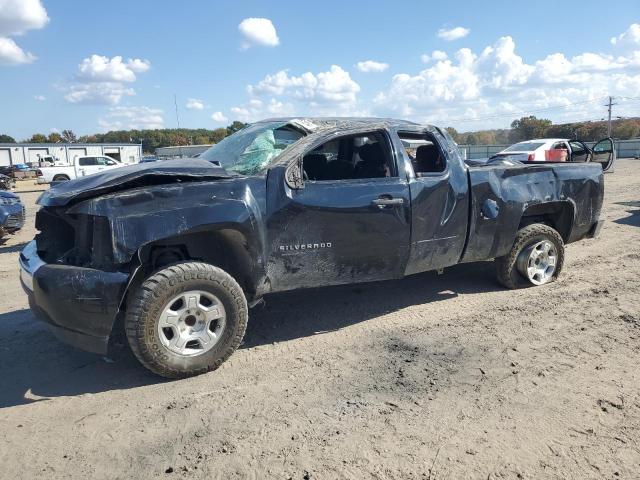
pixel 122 178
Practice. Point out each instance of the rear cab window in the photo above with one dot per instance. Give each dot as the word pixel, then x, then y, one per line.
pixel 424 152
pixel 87 161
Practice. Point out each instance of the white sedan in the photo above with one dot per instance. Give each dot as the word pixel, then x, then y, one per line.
pixel 562 150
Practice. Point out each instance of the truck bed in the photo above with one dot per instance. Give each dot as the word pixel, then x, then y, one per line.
pixel 504 195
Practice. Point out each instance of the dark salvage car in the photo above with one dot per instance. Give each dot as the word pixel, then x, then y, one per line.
pixel 11 213
pixel 177 251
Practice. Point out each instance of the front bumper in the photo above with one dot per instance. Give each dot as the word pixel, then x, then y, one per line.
pixel 79 304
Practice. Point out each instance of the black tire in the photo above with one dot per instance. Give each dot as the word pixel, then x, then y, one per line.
pixel 146 305
pixel 61 178
pixel 506 267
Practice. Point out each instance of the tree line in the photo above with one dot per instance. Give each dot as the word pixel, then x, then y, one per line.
pixel 150 139
pixel 521 129
pixel 526 128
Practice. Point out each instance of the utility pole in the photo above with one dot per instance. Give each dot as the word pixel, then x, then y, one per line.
pixel 175 102
pixel 611 104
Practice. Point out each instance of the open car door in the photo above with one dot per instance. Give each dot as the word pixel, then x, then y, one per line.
pixel 604 153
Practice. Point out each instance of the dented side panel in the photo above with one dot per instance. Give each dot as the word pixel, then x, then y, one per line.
pixel 500 196
pixel 330 233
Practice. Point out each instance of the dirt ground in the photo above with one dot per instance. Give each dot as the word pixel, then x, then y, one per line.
pixel 433 376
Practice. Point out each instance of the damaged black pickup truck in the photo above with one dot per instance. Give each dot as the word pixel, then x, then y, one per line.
pixel 175 252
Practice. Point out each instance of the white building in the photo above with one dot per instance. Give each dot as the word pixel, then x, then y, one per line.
pixel 63 153
pixel 181 151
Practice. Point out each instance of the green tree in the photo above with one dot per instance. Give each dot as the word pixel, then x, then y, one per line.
pixel 55 137
pixel 626 129
pixel 454 134
pixel 6 138
pixel 471 139
pixel 201 140
pixel 38 138
pixel 235 126
pixel 530 127
pixel 218 134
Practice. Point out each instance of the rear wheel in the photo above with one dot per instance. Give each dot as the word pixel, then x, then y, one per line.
pixel 61 178
pixel 186 319
pixel 536 258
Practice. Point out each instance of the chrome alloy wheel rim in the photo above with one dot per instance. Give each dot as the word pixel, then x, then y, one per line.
pixel 538 262
pixel 192 323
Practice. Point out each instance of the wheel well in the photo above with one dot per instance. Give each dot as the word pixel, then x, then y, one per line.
pixel 61 176
pixel 226 248
pixel 557 215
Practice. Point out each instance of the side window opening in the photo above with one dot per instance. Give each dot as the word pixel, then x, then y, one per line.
pixel 424 152
pixel 352 157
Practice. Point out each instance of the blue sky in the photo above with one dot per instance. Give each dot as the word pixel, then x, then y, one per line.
pixel 93 66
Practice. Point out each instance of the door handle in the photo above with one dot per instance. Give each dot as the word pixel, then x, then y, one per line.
pixel 382 202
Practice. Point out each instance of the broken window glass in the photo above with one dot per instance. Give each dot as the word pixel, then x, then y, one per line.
pixel 253 149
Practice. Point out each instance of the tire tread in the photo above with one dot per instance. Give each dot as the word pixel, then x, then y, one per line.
pixel 151 289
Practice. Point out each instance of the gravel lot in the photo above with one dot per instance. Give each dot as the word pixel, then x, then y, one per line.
pixel 433 376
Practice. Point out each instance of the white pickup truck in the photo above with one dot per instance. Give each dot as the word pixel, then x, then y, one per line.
pixel 81 167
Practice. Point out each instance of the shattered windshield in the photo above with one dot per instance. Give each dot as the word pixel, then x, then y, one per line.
pixel 251 150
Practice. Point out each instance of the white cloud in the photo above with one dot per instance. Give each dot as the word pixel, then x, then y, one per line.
pixel 194 104
pixel 630 38
pixel 453 33
pixel 141 118
pixel 104 80
pixel 258 31
pixel 436 55
pixel 502 66
pixel 98 93
pixel 16 18
pixel 98 68
pixel 331 87
pixel 369 66
pixel 256 109
pixel 219 117
pixel 12 54
pixel 39 98
pixel 498 82
pixel 19 16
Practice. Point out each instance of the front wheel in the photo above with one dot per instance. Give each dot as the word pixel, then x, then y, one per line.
pixel 186 319
pixel 536 258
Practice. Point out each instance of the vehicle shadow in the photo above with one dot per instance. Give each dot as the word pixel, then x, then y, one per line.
pixel 34 366
pixel 290 315
pixel 11 248
pixel 634 218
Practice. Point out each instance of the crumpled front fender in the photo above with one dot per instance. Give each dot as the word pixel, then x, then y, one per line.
pixel 145 215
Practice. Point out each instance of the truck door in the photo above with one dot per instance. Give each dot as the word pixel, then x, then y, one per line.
pixel 349 223
pixel 86 166
pixel 604 153
pixel 106 163
pixel 439 199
